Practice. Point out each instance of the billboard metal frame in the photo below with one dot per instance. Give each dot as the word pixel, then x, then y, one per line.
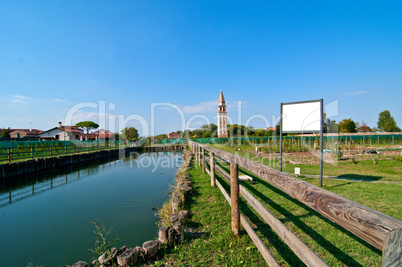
pixel 321 131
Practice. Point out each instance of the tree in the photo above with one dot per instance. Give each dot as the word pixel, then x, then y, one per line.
pixel 130 133
pixel 206 135
pixel 4 134
pixel 387 123
pixel 364 128
pixel 278 129
pixel 347 126
pixel 87 125
pixel 330 126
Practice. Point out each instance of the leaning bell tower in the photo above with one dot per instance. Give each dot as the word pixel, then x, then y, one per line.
pixel 222 117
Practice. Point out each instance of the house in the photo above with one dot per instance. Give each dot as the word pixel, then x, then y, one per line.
pixel 173 135
pixel 63 133
pixel 24 133
pixel 103 134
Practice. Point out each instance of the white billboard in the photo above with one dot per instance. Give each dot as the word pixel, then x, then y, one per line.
pixel 301 117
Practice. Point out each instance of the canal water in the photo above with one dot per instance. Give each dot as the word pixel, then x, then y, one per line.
pixel 46 220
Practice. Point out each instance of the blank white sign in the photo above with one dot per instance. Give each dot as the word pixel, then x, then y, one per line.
pixel 301 117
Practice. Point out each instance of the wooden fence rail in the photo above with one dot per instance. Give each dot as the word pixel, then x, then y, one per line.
pixel 376 228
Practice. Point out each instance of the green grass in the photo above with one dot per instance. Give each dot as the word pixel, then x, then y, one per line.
pixel 219 247
pixel 387 168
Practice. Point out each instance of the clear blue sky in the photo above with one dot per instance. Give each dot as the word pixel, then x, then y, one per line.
pixel 57 54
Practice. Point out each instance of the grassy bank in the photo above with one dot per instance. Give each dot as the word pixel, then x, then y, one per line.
pixel 211 242
pixel 216 245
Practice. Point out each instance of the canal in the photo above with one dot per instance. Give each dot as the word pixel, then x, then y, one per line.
pixel 47 219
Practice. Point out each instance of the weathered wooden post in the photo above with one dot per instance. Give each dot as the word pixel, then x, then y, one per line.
pixel 65 149
pixel 9 155
pixel 203 159
pixel 234 196
pixel 212 164
pixel 392 249
pixel 50 150
pixel 32 152
pixel 199 155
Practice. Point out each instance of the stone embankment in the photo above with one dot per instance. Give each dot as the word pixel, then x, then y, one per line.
pixel 170 233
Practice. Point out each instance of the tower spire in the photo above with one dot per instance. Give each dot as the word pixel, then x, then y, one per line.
pixel 221 98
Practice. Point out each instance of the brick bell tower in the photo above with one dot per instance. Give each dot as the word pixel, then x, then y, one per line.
pixel 222 117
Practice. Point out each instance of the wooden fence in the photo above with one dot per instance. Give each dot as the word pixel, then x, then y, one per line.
pixel 31 152
pixel 378 229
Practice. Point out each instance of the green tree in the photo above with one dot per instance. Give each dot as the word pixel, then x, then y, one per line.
pixel 206 135
pixel 347 126
pixel 330 126
pixel 130 133
pixel 278 129
pixel 87 125
pixel 4 134
pixel 387 123
pixel 187 133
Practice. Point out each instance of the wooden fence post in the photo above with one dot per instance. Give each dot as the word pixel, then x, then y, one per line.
pixel 50 150
pixel 9 155
pixel 32 152
pixel 199 155
pixel 392 249
pixel 65 150
pixel 234 196
pixel 212 164
pixel 203 159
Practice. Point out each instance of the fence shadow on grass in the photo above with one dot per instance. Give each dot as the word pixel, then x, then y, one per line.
pixel 334 250
pixel 265 230
pixel 357 177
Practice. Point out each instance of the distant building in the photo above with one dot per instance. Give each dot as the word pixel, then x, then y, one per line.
pixel 173 135
pixel 68 133
pixel 63 133
pixel 103 134
pixel 222 117
pixel 24 133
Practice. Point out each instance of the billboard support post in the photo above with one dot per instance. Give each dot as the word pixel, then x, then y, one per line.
pixel 280 141
pixel 321 139
pixel 302 117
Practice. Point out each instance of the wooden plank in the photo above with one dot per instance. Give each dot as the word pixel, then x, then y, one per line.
pixel 368 224
pixel 212 172
pixel 203 159
pixel 392 251
pixel 266 254
pixel 227 197
pixel 223 173
pixel 234 195
pixel 257 241
pixel 208 171
pixel 299 248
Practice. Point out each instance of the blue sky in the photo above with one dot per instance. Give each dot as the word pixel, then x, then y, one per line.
pixel 123 59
